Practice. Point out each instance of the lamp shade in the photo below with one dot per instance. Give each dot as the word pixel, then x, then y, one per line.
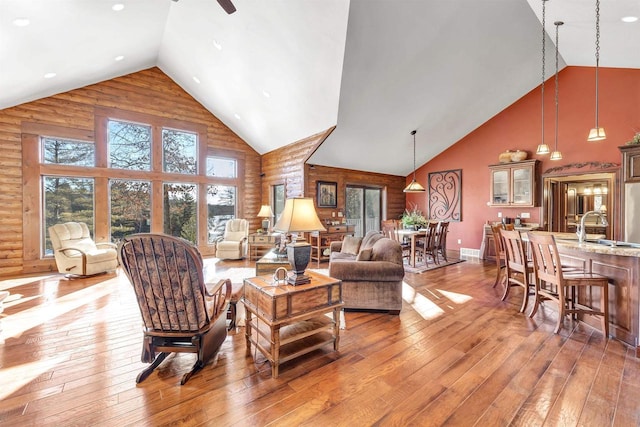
pixel 414 187
pixel 596 134
pixel 265 212
pixel 299 215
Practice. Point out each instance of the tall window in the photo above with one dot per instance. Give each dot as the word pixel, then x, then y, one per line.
pixel 363 208
pixel 129 145
pixel 180 210
pixel 179 151
pixel 278 200
pixel 221 207
pixel 130 207
pixel 66 199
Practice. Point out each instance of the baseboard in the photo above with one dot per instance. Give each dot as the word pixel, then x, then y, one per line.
pixel 475 253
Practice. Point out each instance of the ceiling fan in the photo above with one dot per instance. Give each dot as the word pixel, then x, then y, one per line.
pixel 226 5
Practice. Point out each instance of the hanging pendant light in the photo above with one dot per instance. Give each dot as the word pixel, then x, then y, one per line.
pixel 597 133
pixel 556 155
pixel 543 148
pixel 414 186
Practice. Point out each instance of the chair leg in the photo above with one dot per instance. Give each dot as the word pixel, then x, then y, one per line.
pixel 196 367
pixel 498 272
pixel 604 303
pixel 147 371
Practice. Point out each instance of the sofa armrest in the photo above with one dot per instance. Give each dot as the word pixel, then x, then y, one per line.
pixel 382 271
pixel 336 246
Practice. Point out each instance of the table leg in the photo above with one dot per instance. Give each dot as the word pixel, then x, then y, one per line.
pixel 275 339
pixel 336 328
pixel 247 331
pixel 413 250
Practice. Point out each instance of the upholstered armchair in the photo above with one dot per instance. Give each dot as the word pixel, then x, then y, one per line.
pixel 77 254
pixel 233 244
pixel 179 312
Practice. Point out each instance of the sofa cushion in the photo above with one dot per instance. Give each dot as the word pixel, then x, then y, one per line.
pixel 342 256
pixel 386 249
pixel 364 255
pixel 351 245
pixel 370 239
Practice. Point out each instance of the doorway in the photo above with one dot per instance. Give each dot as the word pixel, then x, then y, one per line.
pixel 568 198
pixel 363 207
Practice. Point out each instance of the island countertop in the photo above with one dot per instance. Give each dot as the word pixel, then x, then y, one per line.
pixel 570 241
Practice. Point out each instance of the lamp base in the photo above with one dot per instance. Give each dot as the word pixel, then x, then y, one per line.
pixel 265 225
pixel 299 254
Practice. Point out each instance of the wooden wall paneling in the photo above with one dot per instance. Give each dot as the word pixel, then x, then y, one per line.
pixel 147 92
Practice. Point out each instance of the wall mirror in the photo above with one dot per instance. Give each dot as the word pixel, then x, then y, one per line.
pixel 566 198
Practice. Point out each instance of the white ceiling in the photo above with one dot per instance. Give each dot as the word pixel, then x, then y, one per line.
pixel 287 69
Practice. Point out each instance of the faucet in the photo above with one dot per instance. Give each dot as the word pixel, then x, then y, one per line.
pixel 582 234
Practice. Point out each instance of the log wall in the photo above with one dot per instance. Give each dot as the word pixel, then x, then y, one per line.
pixel 149 92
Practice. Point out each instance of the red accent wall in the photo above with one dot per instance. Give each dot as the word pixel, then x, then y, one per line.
pixel 519 127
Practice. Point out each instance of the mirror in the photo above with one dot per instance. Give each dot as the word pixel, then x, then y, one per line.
pixel 567 198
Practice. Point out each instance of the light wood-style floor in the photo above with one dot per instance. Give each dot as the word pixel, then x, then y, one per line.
pixel 456 355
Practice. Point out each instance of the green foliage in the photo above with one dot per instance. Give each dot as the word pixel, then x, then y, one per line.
pixel 635 140
pixel 414 217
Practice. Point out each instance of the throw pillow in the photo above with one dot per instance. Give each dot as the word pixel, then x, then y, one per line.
pixel 365 255
pixel 351 245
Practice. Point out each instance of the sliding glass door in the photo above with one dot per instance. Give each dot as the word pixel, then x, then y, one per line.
pixel 363 208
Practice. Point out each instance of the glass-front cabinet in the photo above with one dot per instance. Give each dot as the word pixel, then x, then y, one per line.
pixel 513 184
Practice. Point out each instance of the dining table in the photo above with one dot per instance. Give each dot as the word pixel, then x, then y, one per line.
pixel 413 235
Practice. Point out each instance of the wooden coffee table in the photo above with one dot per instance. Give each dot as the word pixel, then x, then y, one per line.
pixel 270 262
pixel 291 320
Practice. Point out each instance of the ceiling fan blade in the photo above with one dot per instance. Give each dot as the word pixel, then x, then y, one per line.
pixel 227 6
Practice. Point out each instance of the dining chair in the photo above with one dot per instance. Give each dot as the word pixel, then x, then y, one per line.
pixel 426 247
pixel 501 257
pixel 566 288
pixel 441 240
pixel 518 269
pixel 389 228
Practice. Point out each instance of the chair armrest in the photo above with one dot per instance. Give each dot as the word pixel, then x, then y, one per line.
pixel 107 245
pixel 336 246
pixel 221 294
pixel 63 250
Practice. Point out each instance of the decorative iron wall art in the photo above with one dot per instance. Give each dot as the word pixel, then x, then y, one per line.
pixel 445 195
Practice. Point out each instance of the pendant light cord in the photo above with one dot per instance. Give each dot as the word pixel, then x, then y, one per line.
pixel 557 24
pixel 597 54
pixel 543 61
pixel 414 154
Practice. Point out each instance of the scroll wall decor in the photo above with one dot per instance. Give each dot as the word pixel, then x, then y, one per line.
pixel 445 195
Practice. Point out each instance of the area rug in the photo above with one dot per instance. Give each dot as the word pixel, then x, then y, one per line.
pixel 421 268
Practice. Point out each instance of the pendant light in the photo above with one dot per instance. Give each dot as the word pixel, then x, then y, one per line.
pixel 597 133
pixel 414 186
pixel 556 155
pixel 543 148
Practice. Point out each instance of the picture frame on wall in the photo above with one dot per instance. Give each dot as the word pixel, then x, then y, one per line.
pixel 327 194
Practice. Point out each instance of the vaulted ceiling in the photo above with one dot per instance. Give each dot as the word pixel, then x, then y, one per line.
pixel 277 71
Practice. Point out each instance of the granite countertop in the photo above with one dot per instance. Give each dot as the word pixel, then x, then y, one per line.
pixel 570 241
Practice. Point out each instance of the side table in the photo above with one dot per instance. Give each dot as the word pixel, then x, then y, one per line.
pixel 262 240
pixel 285 321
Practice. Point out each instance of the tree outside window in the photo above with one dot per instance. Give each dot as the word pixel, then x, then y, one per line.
pixel 180 210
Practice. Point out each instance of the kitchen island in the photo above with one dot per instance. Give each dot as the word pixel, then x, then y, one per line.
pixel 621 264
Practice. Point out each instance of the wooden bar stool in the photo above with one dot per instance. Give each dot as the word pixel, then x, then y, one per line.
pixel 518 269
pixel 563 287
pixel 501 256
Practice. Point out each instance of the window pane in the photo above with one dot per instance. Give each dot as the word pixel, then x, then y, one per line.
pixel 278 200
pixel 221 207
pixel 130 208
pixel 221 167
pixel 67 152
pixel 179 150
pixel 180 213
pixel 66 199
pixel 129 145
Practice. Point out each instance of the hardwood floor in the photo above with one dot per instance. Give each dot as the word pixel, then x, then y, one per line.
pixel 456 355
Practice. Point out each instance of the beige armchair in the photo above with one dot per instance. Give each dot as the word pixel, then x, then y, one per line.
pixel 234 241
pixel 77 254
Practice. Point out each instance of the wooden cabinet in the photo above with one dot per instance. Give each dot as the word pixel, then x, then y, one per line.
pixel 321 240
pixel 284 322
pixel 513 184
pixel 264 241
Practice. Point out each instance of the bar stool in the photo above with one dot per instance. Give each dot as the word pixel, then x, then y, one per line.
pixel 501 256
pixel 516 265
pixel 563 287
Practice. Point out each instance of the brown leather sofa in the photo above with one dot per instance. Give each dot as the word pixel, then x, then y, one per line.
pixel 372 278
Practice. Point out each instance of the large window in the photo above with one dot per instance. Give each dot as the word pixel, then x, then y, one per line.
pixel 363 208
pixel 179 151
pixel 221 207
pixel 130 207
pixel 129 145
pixel 66 199
pixel 141 174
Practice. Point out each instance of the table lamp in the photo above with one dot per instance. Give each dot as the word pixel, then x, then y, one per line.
pixel 299 215
pixel 267 213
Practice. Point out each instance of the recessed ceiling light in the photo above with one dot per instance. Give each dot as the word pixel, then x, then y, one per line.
pixel 117 7
pixel 49 75
pixel 217 44
pixel 237 116
pixel 119 58
pixel 266 94
pixel 629 19
pixel 195 79
pixel 21 22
